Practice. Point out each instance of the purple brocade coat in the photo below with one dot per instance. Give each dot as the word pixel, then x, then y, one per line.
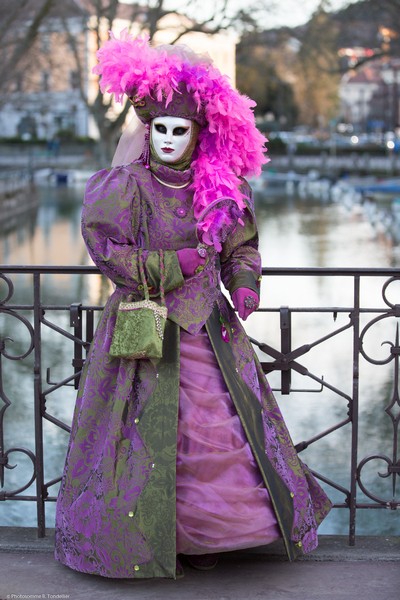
pixel 116 510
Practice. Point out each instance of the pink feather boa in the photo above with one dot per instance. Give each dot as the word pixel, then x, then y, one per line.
pixel 229 147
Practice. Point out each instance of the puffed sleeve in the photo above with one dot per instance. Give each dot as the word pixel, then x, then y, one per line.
pixel 110 226
pixel 240 259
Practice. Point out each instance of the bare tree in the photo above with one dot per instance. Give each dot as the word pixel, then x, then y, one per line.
pixel 364 24
pixel 333 43
pixel 291 68
pixel 20 23
pixel 25 23
pixel 316 65
pixel 371 24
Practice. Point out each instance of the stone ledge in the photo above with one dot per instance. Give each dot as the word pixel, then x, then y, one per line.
pixel 332 548
pixel 25 539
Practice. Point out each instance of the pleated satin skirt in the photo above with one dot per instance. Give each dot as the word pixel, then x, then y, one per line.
pixel 222 503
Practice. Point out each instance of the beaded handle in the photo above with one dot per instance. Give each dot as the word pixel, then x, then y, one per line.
pixel 144 280
pixel 162 277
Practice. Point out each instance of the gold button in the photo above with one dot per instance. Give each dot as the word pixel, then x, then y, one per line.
pixel 130 513
pixel 136 568
pixel 136 420
pixel 299 544
pixel 291 495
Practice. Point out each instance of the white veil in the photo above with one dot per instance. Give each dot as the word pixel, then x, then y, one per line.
pixel 131 143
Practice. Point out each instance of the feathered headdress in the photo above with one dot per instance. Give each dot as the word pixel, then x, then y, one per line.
pixel 229 145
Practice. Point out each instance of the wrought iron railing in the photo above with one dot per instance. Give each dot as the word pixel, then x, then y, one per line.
pixel 353 320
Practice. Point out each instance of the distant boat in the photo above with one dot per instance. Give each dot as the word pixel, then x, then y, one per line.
pixel 388 186
pixel 62 177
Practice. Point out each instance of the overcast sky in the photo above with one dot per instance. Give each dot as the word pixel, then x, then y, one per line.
pixel 296 12
pixel 284 12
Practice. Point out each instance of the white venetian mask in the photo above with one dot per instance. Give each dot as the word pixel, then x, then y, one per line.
pixel 170 137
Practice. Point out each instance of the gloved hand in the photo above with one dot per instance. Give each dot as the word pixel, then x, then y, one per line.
pixel 245 301
pixel 190 260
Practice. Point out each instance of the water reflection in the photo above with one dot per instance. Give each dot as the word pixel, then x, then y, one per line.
pixel 49 234
pixel 308 233
pixel 293 232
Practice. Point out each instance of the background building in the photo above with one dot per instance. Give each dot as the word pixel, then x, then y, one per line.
pixel 51 93
pixel 370 96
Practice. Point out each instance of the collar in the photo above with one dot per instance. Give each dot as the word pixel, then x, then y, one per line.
pixel 170 176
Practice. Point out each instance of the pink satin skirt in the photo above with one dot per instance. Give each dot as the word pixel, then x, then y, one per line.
pixel 222 503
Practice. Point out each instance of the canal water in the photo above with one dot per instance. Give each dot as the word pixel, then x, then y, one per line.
pixel 294 232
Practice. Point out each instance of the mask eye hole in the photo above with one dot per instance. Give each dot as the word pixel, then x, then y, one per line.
pixel 180 130
pixel 160 128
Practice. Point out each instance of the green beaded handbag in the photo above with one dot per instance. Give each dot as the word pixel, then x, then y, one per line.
pixel 139 328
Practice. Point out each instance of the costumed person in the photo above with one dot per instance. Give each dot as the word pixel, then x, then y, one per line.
pixel 185 455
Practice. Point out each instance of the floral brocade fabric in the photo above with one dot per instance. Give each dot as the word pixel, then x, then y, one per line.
pixel 116 510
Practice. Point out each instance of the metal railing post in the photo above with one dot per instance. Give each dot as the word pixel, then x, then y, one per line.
pixel 39 408
pixel 286 347
pixel 354 411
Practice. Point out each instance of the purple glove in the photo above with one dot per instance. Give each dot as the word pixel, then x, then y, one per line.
pixel 190 260
pixel 245 301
